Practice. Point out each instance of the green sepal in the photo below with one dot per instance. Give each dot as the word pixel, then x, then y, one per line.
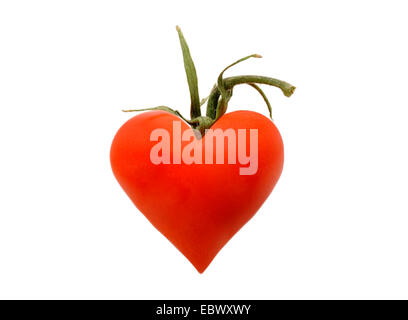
pixel 257 88
pixel 162 108
pixel 191 76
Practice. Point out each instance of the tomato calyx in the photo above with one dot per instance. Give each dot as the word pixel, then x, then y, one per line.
pixel 221 93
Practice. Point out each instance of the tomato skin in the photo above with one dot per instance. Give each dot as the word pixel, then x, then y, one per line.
pixel 197 207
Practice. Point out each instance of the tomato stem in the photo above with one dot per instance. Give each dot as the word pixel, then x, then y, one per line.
pixel 226 93
pixel 221 93
pixel 229 83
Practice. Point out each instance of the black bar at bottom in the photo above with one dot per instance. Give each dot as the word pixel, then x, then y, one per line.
pixel 201 309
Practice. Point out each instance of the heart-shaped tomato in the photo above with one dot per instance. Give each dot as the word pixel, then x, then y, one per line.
pixel 198 207
pixel 208 175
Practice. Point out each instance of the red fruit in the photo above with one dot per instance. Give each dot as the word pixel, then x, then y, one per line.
pixel 198 207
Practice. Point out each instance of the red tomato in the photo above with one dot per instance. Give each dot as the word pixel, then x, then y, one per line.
pixel 197 207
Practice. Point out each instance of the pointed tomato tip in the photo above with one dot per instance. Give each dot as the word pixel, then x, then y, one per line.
pixel 201 268
pixel 257 56
pixel 178 28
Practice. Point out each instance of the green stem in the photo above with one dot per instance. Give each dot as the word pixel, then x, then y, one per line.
pixel 286 88
pixel 226 93
pixel 220 94
pixel 220 81
pixel 230 82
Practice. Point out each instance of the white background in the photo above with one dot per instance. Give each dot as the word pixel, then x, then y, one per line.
pixel 334 227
